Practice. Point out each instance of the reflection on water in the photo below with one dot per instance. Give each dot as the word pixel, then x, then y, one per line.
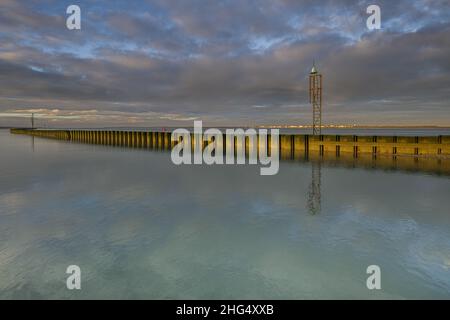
pixel 141 227
pixel 314 193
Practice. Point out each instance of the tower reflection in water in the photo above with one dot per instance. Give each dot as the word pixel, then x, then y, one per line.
pixel 314 191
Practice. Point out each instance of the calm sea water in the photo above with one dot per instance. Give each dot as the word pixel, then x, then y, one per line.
pixel 140 227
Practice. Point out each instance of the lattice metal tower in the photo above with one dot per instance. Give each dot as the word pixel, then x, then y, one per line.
pixel 315 98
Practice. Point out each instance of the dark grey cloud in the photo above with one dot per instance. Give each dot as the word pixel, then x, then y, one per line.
pixel 229 60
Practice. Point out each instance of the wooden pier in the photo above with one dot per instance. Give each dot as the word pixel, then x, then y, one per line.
pixel 429 153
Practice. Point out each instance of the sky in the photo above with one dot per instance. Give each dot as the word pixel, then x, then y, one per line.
pixel 226 62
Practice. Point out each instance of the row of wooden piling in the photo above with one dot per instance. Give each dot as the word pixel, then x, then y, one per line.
pixel 335 145
pixel 133 139
pixel 290 145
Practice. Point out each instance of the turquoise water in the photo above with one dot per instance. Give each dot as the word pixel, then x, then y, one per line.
pixel 140 227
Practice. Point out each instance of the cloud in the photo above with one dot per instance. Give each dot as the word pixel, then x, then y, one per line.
pixel 218 60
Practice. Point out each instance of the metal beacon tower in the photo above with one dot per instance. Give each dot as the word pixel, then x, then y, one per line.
pixel 315 98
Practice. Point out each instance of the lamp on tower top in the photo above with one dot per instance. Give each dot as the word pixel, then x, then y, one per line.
pixel 315 98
